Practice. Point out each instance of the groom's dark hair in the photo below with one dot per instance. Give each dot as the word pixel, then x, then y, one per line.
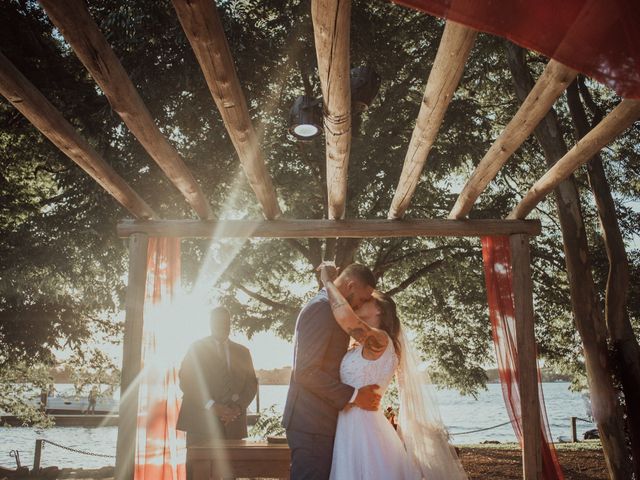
pixel 361 273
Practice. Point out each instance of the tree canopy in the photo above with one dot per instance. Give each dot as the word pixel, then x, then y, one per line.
pixel 62 268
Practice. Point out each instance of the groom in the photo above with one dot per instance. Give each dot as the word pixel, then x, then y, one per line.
pixel 316 394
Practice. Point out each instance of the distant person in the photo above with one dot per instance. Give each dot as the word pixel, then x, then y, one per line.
pixel 93 400
pixel 43 400
pixel 218 382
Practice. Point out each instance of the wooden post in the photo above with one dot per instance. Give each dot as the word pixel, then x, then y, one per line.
pixel 444 77
pixel 574 430
pixel 37 456
pixel 525 340
pixel 618 120
pixel 356 228
pixel 28 100
pixel 553 81
pixel 331 30
pixel 203 27
pixel 131 357
pixel 83 35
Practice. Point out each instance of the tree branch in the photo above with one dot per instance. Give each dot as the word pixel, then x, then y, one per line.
pixel 300 248
pixel 415 276
pixel 263 299
pixel 382 267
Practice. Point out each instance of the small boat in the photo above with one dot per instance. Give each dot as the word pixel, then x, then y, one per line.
pixel 76 405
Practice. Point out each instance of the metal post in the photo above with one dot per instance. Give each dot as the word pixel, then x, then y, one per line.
pixel 37 456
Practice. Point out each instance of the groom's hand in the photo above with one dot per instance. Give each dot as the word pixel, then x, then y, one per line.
pixel 368 398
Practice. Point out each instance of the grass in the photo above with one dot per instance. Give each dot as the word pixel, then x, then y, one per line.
pixel 583 445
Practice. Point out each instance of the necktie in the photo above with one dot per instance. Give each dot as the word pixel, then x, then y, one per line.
pixel 224 353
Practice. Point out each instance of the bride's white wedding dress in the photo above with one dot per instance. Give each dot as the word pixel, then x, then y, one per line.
pixel 366 444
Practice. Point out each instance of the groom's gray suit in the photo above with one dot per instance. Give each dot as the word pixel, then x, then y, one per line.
pixel 316 394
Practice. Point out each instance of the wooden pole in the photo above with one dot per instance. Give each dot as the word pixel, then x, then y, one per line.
pixel 331 27
pixel 202 25
pixel 444 77
pixel 131 357
pixel 574 429
pixel 83 35
pixel 327 228
pixel 554 80
pixel 37 456
pixel 527 363
pixel 620 118
pixel 25 97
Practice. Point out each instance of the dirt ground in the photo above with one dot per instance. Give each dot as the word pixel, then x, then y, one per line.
pixel 582 461
pixel 579 461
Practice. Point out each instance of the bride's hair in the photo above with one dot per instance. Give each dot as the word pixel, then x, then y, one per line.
pixel 389 321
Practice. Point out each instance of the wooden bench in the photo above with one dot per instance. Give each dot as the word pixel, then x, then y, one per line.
pixel 240 459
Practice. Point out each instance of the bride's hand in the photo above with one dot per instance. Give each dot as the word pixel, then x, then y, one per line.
pixel 348 407
pixel 328 271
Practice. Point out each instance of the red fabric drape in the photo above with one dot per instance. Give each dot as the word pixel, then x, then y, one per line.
pixel 160 449
pixel 599 38
pixel 496 254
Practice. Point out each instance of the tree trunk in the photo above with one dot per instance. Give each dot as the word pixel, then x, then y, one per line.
pixel 624 343
pixel 346 251
pixel 584 300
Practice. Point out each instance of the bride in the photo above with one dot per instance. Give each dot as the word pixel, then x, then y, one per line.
pixel 366 444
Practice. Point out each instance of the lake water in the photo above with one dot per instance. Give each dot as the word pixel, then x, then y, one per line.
pixel 460 414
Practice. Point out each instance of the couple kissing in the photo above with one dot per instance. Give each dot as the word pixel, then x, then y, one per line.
pixel 334 424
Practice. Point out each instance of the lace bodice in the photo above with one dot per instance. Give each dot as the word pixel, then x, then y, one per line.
pixel 357 371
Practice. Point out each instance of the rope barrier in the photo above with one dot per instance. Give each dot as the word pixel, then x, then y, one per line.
pixel 481 429
pixel 585 420
pixel 83 452
pixel 75 450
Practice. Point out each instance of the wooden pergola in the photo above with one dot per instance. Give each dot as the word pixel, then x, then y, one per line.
pixel 331 24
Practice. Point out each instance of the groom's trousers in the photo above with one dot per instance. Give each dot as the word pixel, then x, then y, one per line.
pixel 311 455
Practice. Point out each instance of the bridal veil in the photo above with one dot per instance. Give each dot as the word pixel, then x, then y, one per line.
pixel 419 423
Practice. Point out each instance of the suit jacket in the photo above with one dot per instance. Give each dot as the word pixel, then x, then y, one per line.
pixel 204 377
pixel 316 394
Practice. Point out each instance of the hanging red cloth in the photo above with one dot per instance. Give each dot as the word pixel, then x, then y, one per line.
pixel 160 449
pixel 496 253
pixel 599 38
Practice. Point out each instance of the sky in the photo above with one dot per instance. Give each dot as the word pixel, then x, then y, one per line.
pixel 268 350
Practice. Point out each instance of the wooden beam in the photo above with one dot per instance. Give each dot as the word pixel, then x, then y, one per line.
pixel 27 99
pixel 83 35
pixel 444 77
pixel 554 80
pixel 327 228
pixel 202 25
pixel 527 362
pixel 131 356
pixel 620 118
pixel 331 27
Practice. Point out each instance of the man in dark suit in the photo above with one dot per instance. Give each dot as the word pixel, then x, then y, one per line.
pixel 316 394
pixel 218 382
